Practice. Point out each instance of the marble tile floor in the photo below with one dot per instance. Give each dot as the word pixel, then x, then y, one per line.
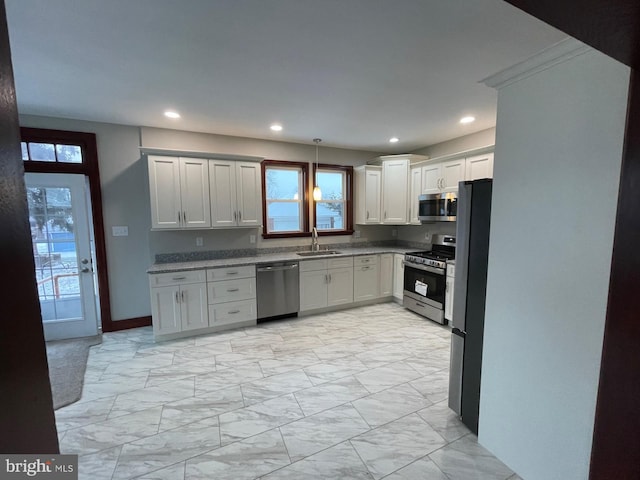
pixel 355 394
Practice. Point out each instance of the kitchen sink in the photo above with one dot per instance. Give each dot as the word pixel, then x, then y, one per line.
pixel 318 253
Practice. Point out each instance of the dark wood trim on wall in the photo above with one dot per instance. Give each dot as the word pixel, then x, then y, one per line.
pixel 304 166
pixel 27 421
pixel 348 170
pixel 130 323
pixel 614 29
pixel 89 167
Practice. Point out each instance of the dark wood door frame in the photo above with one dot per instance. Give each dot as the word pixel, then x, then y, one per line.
pixel 89 168
pixel 613 27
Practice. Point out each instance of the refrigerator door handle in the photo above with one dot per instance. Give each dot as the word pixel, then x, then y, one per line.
pixel 458 332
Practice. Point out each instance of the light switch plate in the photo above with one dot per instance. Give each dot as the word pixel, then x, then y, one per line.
pixel 252 239
pixel 199 241
pixel 120 231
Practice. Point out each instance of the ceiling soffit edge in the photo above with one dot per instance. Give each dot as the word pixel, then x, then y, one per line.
pixel 547 58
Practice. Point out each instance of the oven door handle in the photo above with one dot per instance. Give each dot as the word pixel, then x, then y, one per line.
pixel 426 268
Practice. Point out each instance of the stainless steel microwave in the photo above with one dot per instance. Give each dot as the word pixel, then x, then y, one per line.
pixel 438 207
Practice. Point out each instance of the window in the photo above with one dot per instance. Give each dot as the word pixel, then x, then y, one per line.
pixel 285 212
pixel 51 152
pixel 333 213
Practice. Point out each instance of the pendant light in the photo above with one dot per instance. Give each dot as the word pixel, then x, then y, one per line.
pixel 317 193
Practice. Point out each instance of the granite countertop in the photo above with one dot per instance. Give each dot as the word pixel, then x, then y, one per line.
pixel 268 258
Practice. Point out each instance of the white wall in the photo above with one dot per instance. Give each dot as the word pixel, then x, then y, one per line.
pixel 125 198
pixel 557 165
pixel 472 141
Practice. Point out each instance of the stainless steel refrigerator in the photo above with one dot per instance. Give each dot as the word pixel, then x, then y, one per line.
pixel 470 288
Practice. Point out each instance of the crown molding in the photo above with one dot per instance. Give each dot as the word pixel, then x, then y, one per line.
pixel 547 58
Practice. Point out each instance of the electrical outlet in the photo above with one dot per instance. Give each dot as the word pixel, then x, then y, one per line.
pixel 199 241
pixel 394 232
pixel 252 239
pixel 356 234
pixel 427 237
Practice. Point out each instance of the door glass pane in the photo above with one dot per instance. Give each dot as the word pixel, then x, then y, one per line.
pixel 54 251
pixel 42 152
pixel 69 153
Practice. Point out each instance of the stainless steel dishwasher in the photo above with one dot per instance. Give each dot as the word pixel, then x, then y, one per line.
pixel 277 289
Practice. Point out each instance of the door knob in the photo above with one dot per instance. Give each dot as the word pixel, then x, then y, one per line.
pixel 85 270
pixel 84 261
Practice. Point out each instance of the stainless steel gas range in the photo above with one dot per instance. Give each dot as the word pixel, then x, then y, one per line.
pixel 425 278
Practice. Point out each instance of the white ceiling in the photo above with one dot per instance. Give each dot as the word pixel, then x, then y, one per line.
pixel 352 72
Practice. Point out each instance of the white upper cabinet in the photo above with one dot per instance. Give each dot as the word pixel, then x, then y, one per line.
pixel 235 193
pixel 480 166
pixel 431 178
pixel 368 191
pixel 415 189
pixel 395 179
pixel 179 189
pixel 443 176
pixel 452 174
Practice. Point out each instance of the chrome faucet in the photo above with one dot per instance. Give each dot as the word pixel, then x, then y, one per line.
pixel 315 246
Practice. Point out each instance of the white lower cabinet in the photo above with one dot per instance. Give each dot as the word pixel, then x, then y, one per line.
pixel 232 295
pixel 326 283
pixel 398 275
pixel 178 302
pixel 386 274
pixel 365 278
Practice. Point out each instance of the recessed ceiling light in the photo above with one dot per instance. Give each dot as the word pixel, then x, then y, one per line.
pixel 394 140
pixel 171 114
pixel 276 128
pixel 466 120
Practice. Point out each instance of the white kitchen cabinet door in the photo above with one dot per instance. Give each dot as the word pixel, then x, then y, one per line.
pixel 340 286
pixel 395 182
pixel 193 306
pixel 248 194
pixel 480 166
pixel 368 191
pixel 194 193
pixel 164 188
pixel 431 178
pixel 165 310
pixel 313 289
pixel 222 180
pixel 452 174
pixel 373 190
pixel 398 275
pixel 365 282
pixel 386 275
pixel 415 189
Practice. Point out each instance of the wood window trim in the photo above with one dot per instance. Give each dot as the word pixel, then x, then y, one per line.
pixel 88 167
pixel 348 171
pixel 304 167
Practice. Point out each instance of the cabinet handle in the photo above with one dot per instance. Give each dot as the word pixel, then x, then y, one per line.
pixel 329 278
pixel 233 312
pixel 232 273
pixel 179 278
pixel 184 216
pixel 239 216
pixel 385 214
pixel 235 216
pixel 367 214
pixel 366 268
pixel 326 278
pixel 365 260
pixel 232 289
pixel 177 297
pixel 182 295
pixel 179 221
